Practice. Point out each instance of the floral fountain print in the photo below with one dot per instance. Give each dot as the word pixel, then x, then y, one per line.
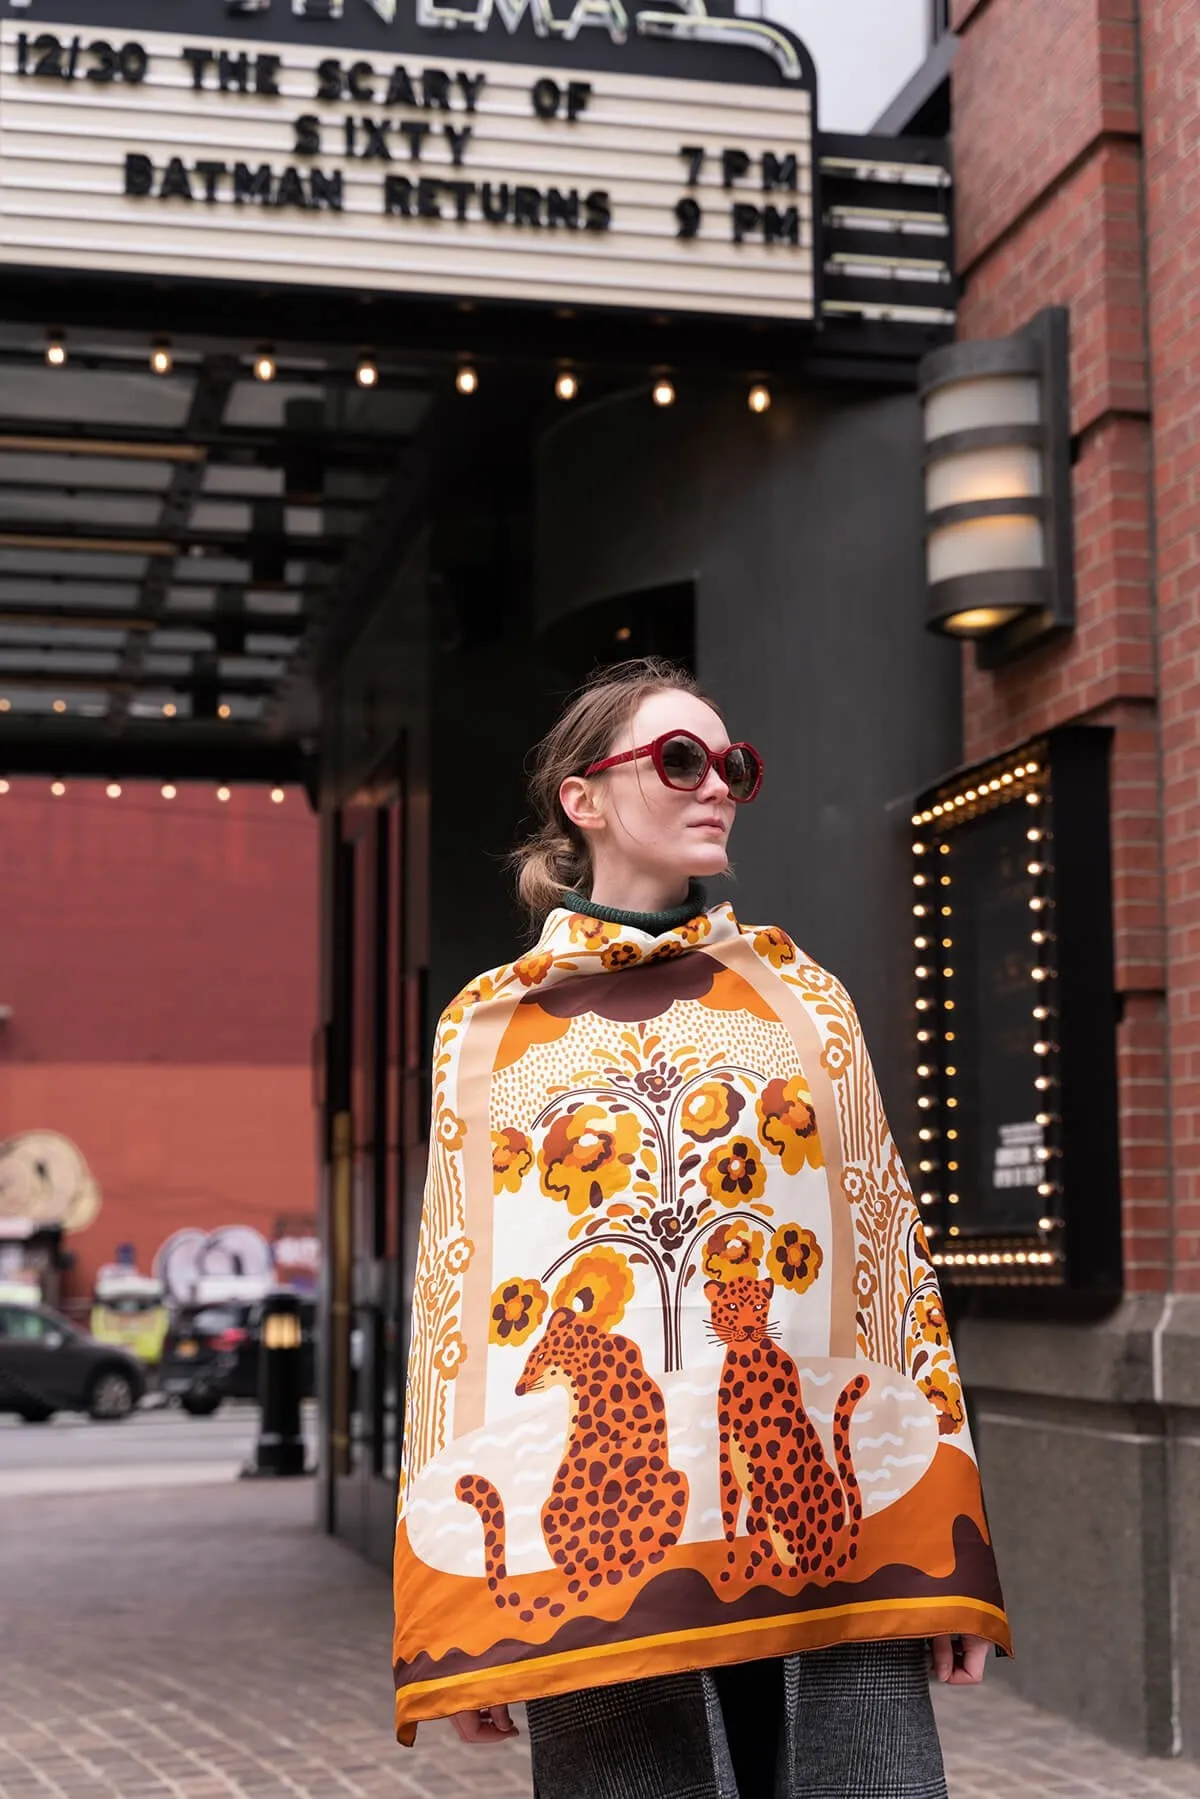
pixel 681 1388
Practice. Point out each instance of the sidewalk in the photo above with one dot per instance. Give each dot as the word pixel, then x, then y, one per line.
pixel 207 1644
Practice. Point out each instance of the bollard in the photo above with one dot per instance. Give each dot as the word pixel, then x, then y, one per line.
pixel 279 1448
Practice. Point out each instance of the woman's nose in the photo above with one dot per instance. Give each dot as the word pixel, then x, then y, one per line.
pixel 713 786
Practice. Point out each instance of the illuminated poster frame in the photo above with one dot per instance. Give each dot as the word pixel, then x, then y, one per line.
pixel 1017 1161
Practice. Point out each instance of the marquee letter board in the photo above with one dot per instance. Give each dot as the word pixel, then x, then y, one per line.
pixel 1018 1169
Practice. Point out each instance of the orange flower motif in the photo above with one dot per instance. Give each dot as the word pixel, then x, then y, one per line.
pixel 929 1320
pixel 945 1395
pixel 449 1129
pixel 866 1283
pixel 774 945
pixel 734 1171
pixel 621 955
pixel 795 1257
pixel 474 995
pixel 450 1354
pixel 696 929
pixel 835 1057
pixel 788 1124
pixel 458 1254
pixel 518 1307
pixel 532 969
pixel 734 1248
pixel 599 1286
pixel 667 951
pixel 512 1158
pixel 710 1110
pixel 593 933
pixel 587 1156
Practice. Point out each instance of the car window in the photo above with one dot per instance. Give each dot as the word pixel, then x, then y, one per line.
pixel 22 1324
pixel 210 1320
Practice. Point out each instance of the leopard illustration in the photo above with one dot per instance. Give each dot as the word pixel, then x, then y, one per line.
pixel 802 1518
pixel 616 1505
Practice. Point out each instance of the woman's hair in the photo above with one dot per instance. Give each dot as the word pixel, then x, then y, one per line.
pixel 555 858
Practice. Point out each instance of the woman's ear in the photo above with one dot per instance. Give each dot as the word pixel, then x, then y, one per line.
pixel 578 801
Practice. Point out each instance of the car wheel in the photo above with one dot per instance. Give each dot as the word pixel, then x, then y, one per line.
pixel 111 1395
pixel 36 1414
pixel 200 1406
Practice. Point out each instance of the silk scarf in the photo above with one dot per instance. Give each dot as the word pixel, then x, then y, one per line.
pixel 680 1390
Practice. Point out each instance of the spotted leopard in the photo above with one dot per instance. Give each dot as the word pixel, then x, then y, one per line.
pixel 616 1505
pixel 803 1517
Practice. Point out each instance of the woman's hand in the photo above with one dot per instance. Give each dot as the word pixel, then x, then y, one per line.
pixel 486 1724
pixel 968 1670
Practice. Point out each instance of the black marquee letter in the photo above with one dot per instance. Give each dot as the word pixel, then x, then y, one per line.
pixel 745 218
pixel 308 135
pixel 734 164
pixel 546 97
pixel 139 175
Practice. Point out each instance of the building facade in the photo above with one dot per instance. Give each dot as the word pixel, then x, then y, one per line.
pixel 160 996
pixel 1075 138
pixel 434 355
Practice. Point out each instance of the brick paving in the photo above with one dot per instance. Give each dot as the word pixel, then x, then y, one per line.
pixel 207 1643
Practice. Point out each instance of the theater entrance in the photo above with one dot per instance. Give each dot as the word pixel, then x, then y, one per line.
pixel 374 368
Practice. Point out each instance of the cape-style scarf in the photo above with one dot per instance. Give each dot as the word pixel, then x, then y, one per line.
pixel 680 1390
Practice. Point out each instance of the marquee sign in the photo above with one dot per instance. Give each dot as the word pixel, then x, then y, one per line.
pixel 569 151
pixel 1018 1159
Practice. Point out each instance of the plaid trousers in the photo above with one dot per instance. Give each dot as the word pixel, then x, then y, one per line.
pixel 853 1722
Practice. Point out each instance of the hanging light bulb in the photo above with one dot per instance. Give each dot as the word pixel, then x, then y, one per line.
pixel 161 360
pixel 367 373
pixel 466 380
pixel 663 393
pixel 113 790
pixel 223 794
pixel 169 791
pixel 278 795
pixel 58 788
pixel 759 398
pixel 265 366
pixel 566 386
pixel 56 349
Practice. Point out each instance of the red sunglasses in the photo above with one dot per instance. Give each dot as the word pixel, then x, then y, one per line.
pixel 683 761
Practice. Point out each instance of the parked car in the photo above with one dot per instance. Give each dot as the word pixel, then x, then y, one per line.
pixel 211 1353
pixel 48 1365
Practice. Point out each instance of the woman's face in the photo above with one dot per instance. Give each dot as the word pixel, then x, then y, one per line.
pixel 634 821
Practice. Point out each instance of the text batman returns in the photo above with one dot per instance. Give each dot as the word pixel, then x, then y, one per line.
pixel 417 129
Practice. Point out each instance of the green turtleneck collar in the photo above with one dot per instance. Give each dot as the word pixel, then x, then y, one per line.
pixel 653 923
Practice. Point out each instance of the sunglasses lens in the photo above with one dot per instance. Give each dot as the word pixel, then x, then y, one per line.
pixel 684 762
pixel 742 769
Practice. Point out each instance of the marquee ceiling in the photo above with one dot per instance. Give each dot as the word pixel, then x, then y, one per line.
pixel 168 541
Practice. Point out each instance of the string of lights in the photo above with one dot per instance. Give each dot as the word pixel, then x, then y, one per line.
pixel 168 790
pixel 264 366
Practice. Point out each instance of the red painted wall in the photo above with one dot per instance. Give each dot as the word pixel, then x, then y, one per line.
pixel 160 959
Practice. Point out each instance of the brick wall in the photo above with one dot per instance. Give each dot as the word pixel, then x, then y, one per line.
pixel 1078 183
pixel 160 959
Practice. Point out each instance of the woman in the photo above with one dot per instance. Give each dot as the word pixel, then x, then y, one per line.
pixel 686 1462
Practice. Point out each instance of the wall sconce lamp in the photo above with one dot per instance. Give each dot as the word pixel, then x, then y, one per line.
pixel 999 529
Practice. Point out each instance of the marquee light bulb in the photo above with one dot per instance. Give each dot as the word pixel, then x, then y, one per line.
pixel 56 350
pixel 367 373
pixel 161 360
pixel 759 398
pixel 58 788
pixel 168 791
pixel 224 711
pixel 223 794
pixel 170 709
pixel 265 366
pixel 113 790
pixel 5 705
pixel 466 380
pixel 278 796
pixel 566 386
pixel 663 393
